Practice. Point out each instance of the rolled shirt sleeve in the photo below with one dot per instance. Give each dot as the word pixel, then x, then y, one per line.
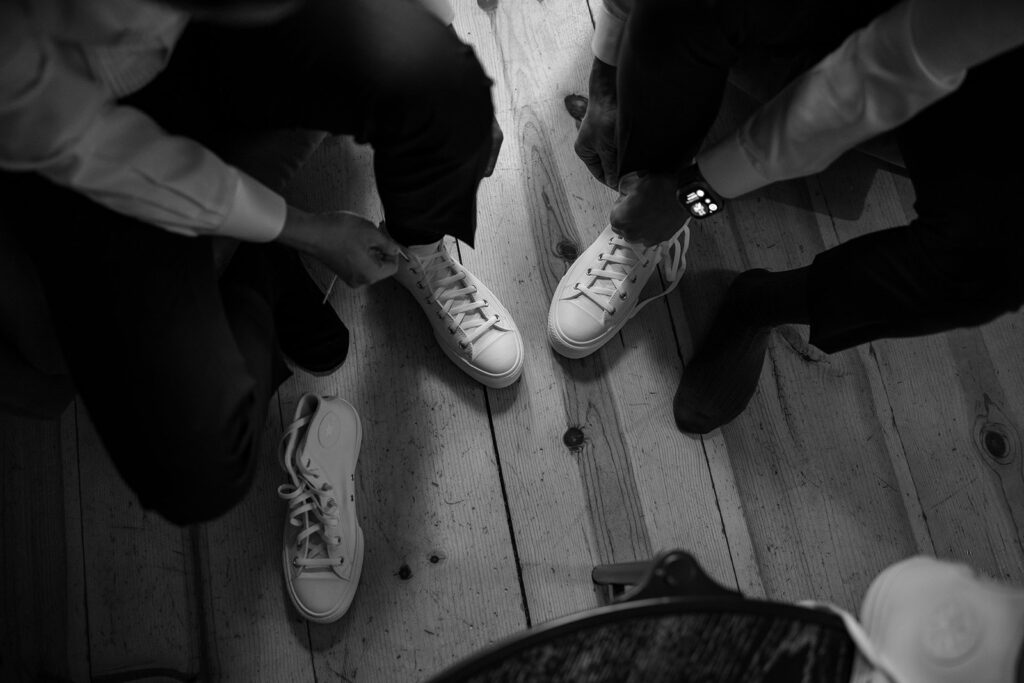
pixel 57 122
pixel 442 9
pixel 609 24
pixel 872 83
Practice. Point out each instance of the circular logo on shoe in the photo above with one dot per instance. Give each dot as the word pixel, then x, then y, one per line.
pixel 329 431
pixel 952 631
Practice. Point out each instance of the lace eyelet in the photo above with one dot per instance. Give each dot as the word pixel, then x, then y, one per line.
pixel 647 263
pixel 589 271
pixel 613 310
pixel 622 295
pixel 576 286
pixel 465 347
pixel 633 279
pixel 420 285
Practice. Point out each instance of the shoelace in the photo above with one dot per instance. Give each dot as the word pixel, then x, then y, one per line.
pixel 859 637
pixel 465 309
pixel 311 505
pixel 605 284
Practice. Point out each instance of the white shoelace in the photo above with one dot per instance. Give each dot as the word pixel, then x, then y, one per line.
pixel 455 296
pixel 859 637
pixel 606 283
pixel 311 505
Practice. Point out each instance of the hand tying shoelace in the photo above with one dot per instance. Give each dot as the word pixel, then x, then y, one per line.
pixel 447 282
pixel 618 263
pixel 601 290
pixel 312 507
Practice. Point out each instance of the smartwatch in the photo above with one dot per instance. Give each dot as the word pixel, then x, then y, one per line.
pixel 694 193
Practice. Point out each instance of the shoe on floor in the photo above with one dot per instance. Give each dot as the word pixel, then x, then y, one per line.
pixel 925 620
pixel 472 327
pixel 323 543
pixel 601 290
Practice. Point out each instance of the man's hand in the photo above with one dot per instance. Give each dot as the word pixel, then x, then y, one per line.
pixel 347 243
pixel 646 210
pixel 595 142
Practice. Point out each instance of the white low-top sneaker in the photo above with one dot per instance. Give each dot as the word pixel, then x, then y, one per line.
pixel 323 544
pixel 601 290
pixel 474 330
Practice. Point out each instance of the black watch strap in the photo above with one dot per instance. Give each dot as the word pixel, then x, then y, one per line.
pixel 694 193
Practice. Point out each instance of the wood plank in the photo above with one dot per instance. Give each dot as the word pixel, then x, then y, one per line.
pixel 809 455
pixel 439 575
pixel 948 395
pixel 138 573
pixel 635 484
pixel 253 634
pixel 40 632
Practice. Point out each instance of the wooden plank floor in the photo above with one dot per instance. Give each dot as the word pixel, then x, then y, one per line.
pixel 480 520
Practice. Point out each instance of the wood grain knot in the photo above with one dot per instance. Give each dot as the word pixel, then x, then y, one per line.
pixel 436 557
pixel 995 444
pixel 995 436
pixel 573 438
pixel 576 105
pixel 567 250
pixel 404 572
pixel 487 5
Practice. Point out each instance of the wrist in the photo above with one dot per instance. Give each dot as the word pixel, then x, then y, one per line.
pixel 299 231
pixel 695 194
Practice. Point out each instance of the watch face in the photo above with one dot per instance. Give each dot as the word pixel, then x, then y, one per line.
pixel 699 201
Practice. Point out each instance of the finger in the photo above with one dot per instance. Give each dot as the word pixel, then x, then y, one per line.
pixel 593 163
pixel 628 183
pixel 497 137
pixel 610 163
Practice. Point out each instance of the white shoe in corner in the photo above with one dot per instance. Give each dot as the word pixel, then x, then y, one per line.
pixel 323 544
pixel 925 620
pixel 471 325
pixel 601 290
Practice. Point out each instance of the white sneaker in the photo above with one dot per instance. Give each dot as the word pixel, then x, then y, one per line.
pixel 472 327
pixel 323 544
pixel 929 621
pixel 601 291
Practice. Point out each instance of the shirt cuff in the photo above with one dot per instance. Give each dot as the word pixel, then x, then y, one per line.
pixel 257 214
pixel 607 35
pixel 728 169
pixel 442 9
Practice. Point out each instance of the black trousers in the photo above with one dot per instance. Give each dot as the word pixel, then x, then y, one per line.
pixel 957 264
pixel 175 365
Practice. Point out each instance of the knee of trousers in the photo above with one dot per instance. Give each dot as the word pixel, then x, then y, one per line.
pixel 201 472
pixel 445 94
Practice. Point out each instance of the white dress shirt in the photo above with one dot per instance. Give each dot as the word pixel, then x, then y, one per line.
pixel 63 66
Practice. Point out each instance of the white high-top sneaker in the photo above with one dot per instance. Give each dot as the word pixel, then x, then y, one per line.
pixel 323 544
pixel 473 328
pixel 925 620
pixel 601 290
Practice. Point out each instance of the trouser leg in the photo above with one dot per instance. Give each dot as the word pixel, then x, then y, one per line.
pixel 959 263
pixel 385 71
pixel 677 54
pixel 175 373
